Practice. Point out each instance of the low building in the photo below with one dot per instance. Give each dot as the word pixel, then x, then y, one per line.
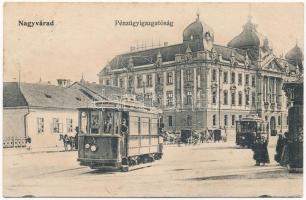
pixel 41 112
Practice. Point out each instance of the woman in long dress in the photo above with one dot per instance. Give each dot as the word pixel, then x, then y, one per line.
pixel 260 148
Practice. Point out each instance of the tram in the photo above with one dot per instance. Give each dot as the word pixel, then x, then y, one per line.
pixel 118 135
pixel 247 128
pixel 295 95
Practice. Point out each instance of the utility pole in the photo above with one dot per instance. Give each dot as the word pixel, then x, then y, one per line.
pixel 219 92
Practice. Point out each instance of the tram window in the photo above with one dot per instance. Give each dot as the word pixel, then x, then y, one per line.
pixel 145 126
pixel 238 127
pixel 94 122
pixel 134 129
pixel 154 126
pixel 84 122
pixel 108 122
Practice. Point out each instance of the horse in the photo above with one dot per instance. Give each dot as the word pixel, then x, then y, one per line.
pixel 67 140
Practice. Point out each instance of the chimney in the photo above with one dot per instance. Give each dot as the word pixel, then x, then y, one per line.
pixel 63 82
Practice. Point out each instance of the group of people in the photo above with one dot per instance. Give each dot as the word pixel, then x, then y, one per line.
pixel 195 137
pixel 70 141
pixel 260 149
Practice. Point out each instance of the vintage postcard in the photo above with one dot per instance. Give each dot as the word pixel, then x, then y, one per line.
pixel 153 99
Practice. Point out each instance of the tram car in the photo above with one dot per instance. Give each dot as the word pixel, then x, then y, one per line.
pixel 118 135
pixel 295 95
pixel 247 128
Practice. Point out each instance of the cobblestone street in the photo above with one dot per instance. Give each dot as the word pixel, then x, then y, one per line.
pixel 206 170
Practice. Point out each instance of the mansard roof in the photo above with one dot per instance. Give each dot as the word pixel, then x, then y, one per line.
pixel 168 53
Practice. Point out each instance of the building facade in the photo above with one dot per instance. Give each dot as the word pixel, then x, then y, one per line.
pixel 41 112
pixel 199 84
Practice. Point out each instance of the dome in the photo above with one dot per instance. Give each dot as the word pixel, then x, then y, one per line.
pixel 295 55
pixel 196 30
pixel 249 37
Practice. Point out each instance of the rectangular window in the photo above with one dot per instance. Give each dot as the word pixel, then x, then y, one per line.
pixel 69 125
pixel 240 117
pixel 170 123
pixel 199 81
pixel 214 97
pixel 233 120
pixel 247 99
pixel 169 78
pixel 56 126
pixel 158 78
pixel 188 75
pixel 279 120
pixel 233 78
pixel 214 120
pixel 247 79
pixel 40 125
pixel 139 81
pixel 233 98
pixel 240 98
pixel 121 83
pixel 253 81
pixel 115 81
pixel 189 98
pixel 214 75
pixel 239 79
pixel 225 120
pixel 225 98
pixel 253 98
pixel 148 99
pixel 149 80
pixel 189 120
pixel 169 98
pixel 225 77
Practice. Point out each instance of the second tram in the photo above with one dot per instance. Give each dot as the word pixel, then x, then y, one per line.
pixel 247 128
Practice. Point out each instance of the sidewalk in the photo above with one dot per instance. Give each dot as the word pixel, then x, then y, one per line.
pixel 18 151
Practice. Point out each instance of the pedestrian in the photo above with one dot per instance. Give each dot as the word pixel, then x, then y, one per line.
pixel 28 143
pixel 76 138
pixel 279 148
pixel 260 149
pixel 284 160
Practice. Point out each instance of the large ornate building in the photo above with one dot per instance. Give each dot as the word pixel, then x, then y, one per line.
pixel 199 84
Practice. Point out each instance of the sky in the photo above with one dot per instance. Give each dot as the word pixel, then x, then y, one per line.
pixel 84 37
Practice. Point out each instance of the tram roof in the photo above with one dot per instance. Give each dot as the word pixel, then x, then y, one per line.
pixel 252 117
pixel 122 105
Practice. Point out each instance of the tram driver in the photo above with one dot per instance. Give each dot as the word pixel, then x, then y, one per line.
pixel 108 123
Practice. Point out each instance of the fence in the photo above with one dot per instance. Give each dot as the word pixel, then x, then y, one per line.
pixel 14 142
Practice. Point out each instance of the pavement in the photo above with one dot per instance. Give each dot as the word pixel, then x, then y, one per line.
pixel 205 170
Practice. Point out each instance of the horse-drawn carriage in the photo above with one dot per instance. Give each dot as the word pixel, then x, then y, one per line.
pixel 118 135
pixel 247 128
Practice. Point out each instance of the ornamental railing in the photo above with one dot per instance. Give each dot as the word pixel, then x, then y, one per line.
pixel 14 142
